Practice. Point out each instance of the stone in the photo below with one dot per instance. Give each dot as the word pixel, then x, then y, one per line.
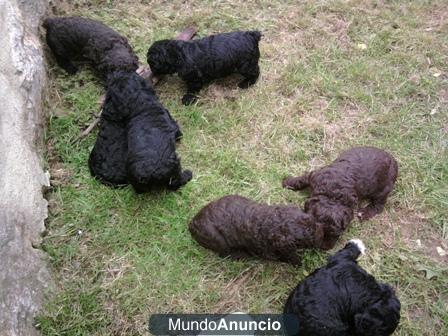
pixel 24 277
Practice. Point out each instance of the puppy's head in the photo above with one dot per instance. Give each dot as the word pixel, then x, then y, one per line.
pixel 380 318
pixel 331 215
pixel 163 57
pixel 119 58
pixel 146 174
pixel 123 89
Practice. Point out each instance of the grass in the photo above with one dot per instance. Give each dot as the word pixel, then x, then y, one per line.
pixel 335 74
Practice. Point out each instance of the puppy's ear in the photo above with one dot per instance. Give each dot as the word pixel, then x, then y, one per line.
pixel 367 325
pixel 173 52
pixel 349 198
pixel 310 202
pixel 382 317
pixel 346 216
pixel 319 234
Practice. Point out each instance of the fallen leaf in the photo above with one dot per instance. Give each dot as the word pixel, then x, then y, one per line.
pixel 429 273
pixel 436 72
pixel 361 46
pixel 441 251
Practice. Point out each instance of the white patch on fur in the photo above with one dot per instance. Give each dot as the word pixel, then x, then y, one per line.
pixel 359 244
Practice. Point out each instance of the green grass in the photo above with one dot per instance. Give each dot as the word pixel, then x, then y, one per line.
pixel 117 257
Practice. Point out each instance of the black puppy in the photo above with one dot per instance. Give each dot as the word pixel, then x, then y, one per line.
pixel 198 62
pixel 137 139
pixel 342 299
pixel 361 173
pixel 107 161
pixel 77 38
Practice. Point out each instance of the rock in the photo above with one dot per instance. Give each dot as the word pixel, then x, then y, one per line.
pixel 23 209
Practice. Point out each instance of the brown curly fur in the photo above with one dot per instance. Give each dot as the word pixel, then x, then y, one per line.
pixel 76 38
pixel 239 227
pixel 361 173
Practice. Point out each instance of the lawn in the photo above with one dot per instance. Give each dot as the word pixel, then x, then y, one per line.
pixel 334 74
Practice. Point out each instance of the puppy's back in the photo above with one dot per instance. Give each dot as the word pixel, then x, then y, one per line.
pixel 367 154
pixel 74 33
pixel 76 23
pixel 217 218
pixel 374 167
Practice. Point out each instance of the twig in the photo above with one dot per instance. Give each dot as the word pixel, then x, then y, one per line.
pixel 145 72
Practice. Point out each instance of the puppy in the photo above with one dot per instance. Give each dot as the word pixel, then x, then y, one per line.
pixel 198 62
pixel 238 227
pixel 137 138
pixel 342 299
pixel 107 161
pixel 77 38
pixel 360 173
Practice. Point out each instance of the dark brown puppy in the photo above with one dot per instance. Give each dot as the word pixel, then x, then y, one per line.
pixel 238 227
pixel 77 38
pixel 361 173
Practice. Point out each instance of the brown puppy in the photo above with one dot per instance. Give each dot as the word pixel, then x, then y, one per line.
pixel 361 173
pixel 238 227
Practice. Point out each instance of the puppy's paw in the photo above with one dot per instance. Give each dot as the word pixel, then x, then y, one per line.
pixel 71 69
pixel 295 262
pixel 187 175
pixel 244 84
pixel 188 99
pixel 365 214
pixel 359 244
pixel 180 180
pixel 288 183
pixel 179 135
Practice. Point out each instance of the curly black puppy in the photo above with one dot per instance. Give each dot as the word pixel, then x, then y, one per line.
pixel 137 139
pixel 200 61
pixel 77 38
pixel 342 299
pixel 107 161
pixel 238 227
pixel 359 173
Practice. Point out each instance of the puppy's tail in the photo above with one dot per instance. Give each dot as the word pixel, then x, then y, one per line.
pixel 255 34
pixel 351 251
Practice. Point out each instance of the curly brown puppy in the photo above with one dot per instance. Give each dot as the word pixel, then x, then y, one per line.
pixel 77 38
pixel 238 227
pixel 361 173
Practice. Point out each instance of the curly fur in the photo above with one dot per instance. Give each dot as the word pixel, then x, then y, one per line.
pixel 200 61
pixel 342 299
pixel 137 138
pixel 238 227
pixel 77 38
pixel 361 173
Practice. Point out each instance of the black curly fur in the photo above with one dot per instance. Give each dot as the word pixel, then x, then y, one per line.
pixel 76 38
pixel 238 227
pixel 342 299
pixel 361 173
pixel 200 61
pixel 136 142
